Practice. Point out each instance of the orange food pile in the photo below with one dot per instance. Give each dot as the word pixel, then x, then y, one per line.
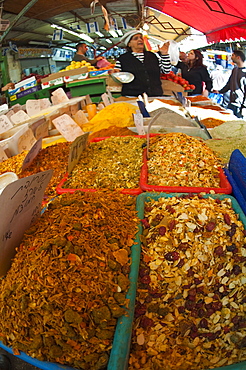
pixel 211 122
pixel 112 131
pixel 171 76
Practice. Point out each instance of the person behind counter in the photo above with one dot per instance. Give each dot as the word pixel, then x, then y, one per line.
pixel 196 73
pixel 237 85
pixel 80 54
pixel 146 66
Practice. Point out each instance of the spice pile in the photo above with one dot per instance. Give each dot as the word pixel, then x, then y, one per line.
pixel 211 122
pixel 53 157
pixel 177 159
pixel 113 163
pixel 224 147
pixel 67 284
pixel 190 310
pixel 112 131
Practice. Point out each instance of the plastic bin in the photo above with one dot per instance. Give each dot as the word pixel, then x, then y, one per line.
pixel 236 175
pixel 225 186
pixel 145 197
pixel 61 190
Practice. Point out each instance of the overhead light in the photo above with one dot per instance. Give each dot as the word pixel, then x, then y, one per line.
pixel 68 48
pixel 83 36
pixel 99 33
pixel 102 48
pixel 113 33
pixel 39 43
pixel 109 41
pixel 145 27
pixel 120 33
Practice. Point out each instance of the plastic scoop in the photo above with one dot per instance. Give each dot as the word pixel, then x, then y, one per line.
pixel 122 77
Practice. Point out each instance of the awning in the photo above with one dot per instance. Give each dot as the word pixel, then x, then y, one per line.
pixel 219 20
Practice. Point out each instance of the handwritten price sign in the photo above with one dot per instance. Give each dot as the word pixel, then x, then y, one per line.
pixel 20 206
pixel 77 147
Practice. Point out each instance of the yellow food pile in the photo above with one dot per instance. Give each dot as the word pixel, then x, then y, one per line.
pixel 83 63
pixel 116 114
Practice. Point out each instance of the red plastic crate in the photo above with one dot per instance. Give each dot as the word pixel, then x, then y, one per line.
pixel 61 190
pixel 225 186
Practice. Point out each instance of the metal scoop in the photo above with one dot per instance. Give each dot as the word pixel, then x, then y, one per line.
pixel 123 77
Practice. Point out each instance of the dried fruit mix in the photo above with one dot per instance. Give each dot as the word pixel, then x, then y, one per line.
pixel 190 310
pixel 68 281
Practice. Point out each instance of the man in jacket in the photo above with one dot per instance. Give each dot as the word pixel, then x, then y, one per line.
pixel 237 85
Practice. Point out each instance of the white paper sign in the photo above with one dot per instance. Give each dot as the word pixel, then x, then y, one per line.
pixel 80 118
pixel 44 103
pixel 5 124
pixel 105 99
pixel 3 155
pixel 32 154
pixel 20 206
pixel 138 120
pixel 26 141
pixel 19 117
pixel 60 95
pixel 16 108
pixel 32 107
pixel 76 148
pixel 10 113
pixel 42 130
pixel 67 127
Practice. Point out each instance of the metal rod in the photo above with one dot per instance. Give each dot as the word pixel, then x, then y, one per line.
pixel 22 12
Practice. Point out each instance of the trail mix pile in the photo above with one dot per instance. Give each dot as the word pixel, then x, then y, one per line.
pixel 190 309
pixel 67 285
pixel 13 164
pixel 113 163
pixel 53 157
pixel 176 159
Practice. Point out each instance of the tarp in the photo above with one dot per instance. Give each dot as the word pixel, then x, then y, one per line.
pixel 219 20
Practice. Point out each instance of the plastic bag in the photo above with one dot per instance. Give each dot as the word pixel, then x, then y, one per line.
pixel 173 51
pixel 216 98
pixel 103 63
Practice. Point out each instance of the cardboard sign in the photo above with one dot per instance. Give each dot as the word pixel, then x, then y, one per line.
pixel 19 117
pixel 32 107
pixel 20 207
pixel 32 154
pixel 110 96
pixel 5 124
pixel 67 127
pixel 80 118
pixel 105 99
pixel 76 148
pixel 3 155
pixel 88 100
pixel 138 120
pixel 26 141
pixel 10 113
pixel 60 95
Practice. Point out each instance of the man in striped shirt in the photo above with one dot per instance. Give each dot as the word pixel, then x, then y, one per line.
pixel 146 66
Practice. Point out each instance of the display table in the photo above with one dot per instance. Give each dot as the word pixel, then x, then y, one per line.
pixel 94 86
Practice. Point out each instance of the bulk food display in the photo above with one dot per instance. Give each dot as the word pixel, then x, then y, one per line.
pixel 68 282
pixel 190 308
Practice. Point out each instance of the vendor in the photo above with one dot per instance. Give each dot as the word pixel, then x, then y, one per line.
pixel 195 72
pixel 80 54
pixel 146 66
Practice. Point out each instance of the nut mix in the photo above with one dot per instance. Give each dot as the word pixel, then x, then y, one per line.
pixel 190 309
pixel 13 164
pixel 176 159
pixel 113 163
pixel 67 285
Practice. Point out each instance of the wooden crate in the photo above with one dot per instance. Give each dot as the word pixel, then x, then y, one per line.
pixel 169 86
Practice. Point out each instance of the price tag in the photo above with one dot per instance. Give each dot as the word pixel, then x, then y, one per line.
pixel 80 118
pixel 77 147
pixel 105 99
pixel 148 130
pixel 26 141
pixel 54 100
pixel 138 120
pixel 67 127
pixel 44 103
pixel 42 130
pixel 32 107
pixel 110 96
pixel 20 207
pixel 74 108
pixel 3 155
pixel 5 124
pixel 16 108
pixel 10 113
pixel 32 154
pixel 19 117
pixel 60 95
pixel 87 100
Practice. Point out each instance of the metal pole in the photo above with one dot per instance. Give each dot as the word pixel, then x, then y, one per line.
pixel 22 12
